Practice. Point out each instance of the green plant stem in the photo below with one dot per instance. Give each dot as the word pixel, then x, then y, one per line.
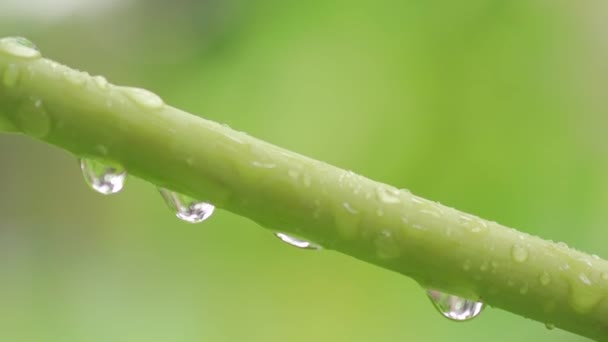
pixel 437 246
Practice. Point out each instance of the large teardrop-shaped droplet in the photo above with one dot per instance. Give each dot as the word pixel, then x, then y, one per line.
pixel 454 307
pixel 104 178
pixel 297 242
pixel 187 208
pixel 19 47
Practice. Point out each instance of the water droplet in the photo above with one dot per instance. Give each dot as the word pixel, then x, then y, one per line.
pixel 484 266
pixel 387 246
pixel 102 177
pixel 19 47
pixel 584 279
pixel 11 76
pixel 349 208
pixel 430 212
pixel 263 165
pixel 454 307
pixel 293 174
pixel 187 208
pixel 101 82
pixel 388 195
pixel 519 253
pixel 545 278
pixel 307 181
pixel 74 77
pixel 32 119
pixel 549 326
pixel 143 97
pixel 297 242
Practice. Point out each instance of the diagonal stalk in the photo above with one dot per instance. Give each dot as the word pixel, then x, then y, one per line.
pixel 439 247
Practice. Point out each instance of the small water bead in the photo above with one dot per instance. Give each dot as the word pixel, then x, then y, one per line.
pixel 19 47
pixel 103 178
pixel 297 242
pixel 454 307
pixel 263 165
pixel 387 246
pixel 75 77
pixel 187 208
pixel 143 98
pixel 32 119
pixel 388 195
pixel 584 279
pixel 519 253
pixel 549 326
pixel 11 76
pixel 350 208
pixel 101 82
pixel 545 279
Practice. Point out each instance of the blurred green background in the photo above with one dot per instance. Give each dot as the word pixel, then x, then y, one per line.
pixel 494 107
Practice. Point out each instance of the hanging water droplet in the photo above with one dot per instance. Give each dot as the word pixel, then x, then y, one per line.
pixel 187 208
pixel 19 47
pixel 519 253
pixel 32 119
pixel 549 326
pixel 143 97
pixel 297 242
pixel 11 76
pixel 103 178
pixel 454 307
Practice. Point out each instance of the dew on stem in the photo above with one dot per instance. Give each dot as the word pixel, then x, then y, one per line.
pixel 297 242
pixel 187 208
pixel 143 98
pixel 104 178
pixel 19 47
pixel 454 307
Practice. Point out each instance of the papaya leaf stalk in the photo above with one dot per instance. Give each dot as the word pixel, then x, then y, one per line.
pixel 439 247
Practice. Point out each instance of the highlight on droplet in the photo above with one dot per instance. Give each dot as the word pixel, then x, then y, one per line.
pixel 102 177
pixel 187 208
pixel 454 307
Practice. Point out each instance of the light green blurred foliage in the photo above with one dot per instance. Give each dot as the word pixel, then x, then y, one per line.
pixel 493 107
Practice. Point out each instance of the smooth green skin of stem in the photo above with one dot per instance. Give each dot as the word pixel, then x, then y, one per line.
pixel 437 246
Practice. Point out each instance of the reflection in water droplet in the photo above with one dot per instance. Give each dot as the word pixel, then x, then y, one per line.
pixel 187 208
pixel 19 47
pixel 143 97
pixel 454 307
pixel 103 178
pixel 297 242
pixel 519 253
pixel 32 119
pixel 11 76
